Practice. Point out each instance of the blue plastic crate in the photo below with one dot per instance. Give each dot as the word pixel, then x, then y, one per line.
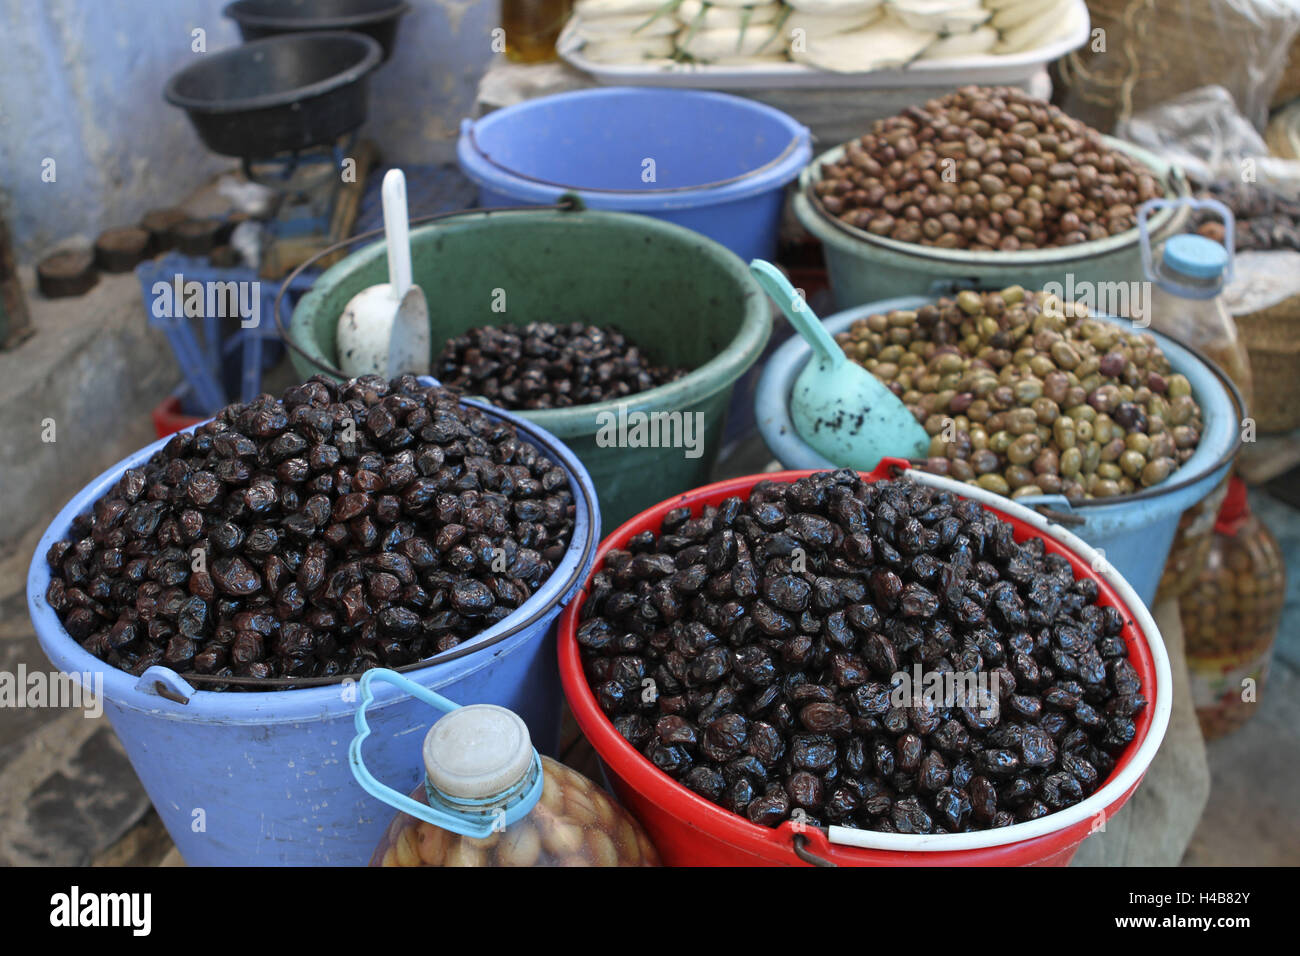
pixel 223 361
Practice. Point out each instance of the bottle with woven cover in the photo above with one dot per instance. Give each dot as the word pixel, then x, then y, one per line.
pixel 1187 282
pixel 1231 615
pixel 489 799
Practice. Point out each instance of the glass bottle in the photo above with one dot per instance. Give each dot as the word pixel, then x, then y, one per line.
pixel 532 27
pixel 1187 305
pixel 1231 615
pixel 489 799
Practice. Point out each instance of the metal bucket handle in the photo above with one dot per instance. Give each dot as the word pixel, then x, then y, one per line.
pixel 1186 203
pixel 479 822
pixel 569 202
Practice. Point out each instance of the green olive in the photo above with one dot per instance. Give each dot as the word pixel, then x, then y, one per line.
pixel 1027 390
pixel 1132 462
pixel 1064 355
pixel 1063 432
pixel 1105 488
pixel 1091 457
pixel 1138 442
pixel 1041 365
pixel 1156 471
pixel 1018 476
pixel 993 482
pixel 1046 411
pixel 970 302
pixel 1024 449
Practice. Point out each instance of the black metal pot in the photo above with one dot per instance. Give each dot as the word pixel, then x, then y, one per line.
pixel 264 18
pixel 277 95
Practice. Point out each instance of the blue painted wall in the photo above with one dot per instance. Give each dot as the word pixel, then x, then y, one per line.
pixel 81 83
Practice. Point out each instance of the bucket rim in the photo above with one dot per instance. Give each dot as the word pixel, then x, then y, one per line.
pixel 370 54
pixel 244 14
pixel 311 702
pixel 700 383
pixel 1205 465
pixel 784 167
pixel 650 782
pixel 850 239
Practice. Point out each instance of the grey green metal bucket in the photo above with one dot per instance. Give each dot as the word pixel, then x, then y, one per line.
pixel 867 268
pixel 685 299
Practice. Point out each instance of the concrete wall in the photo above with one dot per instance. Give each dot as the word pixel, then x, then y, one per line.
pixel 81 83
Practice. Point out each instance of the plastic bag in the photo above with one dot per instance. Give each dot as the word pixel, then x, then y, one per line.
pixel 1201 131
pixel 1204 133
pixel 1145 52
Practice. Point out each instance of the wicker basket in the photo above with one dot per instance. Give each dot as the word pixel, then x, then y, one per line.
pixel 1289 88
pixel 1272 338
pixel 1283 133
pixel 1157 49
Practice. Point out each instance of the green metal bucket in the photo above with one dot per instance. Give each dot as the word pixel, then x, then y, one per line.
pixel 686 300
pixel 867 268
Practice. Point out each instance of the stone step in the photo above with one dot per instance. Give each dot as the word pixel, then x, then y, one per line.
pixel 88 378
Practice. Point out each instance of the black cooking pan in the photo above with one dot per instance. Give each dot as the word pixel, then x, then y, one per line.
pixel 281 94
pixel 264 18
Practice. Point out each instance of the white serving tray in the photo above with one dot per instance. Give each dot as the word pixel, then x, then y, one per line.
pixel 1014 68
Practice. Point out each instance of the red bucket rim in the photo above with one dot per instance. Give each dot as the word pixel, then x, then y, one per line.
pixel 1066 827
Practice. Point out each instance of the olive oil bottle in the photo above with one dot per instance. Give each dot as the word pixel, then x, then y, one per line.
pixel 532 27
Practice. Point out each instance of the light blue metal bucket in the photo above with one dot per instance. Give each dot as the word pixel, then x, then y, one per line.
pixel 1134 533
pixel 262 778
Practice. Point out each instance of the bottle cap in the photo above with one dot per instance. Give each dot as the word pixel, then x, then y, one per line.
pixel 1195 257
pixel 1235 508
pixel 477 751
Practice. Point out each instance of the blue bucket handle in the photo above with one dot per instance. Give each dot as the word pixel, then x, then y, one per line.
pixel 1186 202
pixel 164 682
pixel 474 824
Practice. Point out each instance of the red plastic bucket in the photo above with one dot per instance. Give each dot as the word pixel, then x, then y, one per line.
pixel 168 418
pixel 690 831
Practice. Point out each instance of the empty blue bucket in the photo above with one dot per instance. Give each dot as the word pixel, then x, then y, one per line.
pixel 714 163
pixel 246 779
pixel 1134 532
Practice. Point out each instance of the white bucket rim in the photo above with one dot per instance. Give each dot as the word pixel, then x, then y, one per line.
pixel 1115 787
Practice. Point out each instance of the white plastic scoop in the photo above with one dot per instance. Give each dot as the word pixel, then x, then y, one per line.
pixel 384 329
pixel 839 408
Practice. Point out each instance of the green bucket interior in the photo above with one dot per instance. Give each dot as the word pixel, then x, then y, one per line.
pixel 684 299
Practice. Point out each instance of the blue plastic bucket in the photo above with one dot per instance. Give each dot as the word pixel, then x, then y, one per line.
pixel 256 778
pixel 1134 533
pixel 714 163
